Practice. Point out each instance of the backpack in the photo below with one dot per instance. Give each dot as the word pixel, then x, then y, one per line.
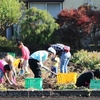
pixel 67 49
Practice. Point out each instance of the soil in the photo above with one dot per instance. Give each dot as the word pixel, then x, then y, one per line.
pixel 48 83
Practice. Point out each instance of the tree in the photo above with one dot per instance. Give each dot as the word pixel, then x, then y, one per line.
pixel 37 26
pixel 10 13
pixel 77 24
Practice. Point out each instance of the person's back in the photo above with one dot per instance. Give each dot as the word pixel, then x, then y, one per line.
pixel 40 55
pixel 84 79
pixel 25 53
pixel 2 63
pixel 64 53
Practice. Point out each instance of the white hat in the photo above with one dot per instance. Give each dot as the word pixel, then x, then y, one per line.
pixel 51 49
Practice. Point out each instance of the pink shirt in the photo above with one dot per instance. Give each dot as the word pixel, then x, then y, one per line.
pixel 2 64
pixel 25 53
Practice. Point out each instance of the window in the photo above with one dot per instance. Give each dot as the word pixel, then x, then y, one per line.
pixel 52 7
pixel 89 2
pixel 37 5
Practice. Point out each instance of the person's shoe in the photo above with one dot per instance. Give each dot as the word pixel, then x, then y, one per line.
pixel 22 72
pixel 27 73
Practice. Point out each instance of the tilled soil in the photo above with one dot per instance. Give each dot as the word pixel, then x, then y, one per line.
pixel 48 83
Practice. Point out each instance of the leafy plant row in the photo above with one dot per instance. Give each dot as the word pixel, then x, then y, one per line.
pixel 90 60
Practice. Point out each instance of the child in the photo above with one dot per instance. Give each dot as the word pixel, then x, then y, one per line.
pixel 55 64
pixel 25 57
pixel 10 60
pixel 6 69
pixel 18 66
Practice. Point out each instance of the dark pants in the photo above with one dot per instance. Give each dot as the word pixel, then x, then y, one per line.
pixel 35 68
pixel 54 69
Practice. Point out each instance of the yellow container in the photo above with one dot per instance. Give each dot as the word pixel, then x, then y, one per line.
pixel 65 78
pixel 16 62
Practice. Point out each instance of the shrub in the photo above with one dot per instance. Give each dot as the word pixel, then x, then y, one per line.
pixel 87 59
pixel 37 27
pixel 7 45
pixel 77 24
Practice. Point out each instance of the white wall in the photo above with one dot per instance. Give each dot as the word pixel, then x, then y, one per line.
pixel 76 3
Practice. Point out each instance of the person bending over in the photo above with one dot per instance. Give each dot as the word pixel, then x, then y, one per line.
pixel 37 58
pixel 84 79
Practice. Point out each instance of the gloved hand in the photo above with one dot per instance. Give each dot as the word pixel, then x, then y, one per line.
pixel 13 82
pixel 53 59
pixel 10 83
pixel 40 64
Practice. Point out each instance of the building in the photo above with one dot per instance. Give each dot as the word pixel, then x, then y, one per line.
pixel 76 3
pixel 55 6
pixel 52 6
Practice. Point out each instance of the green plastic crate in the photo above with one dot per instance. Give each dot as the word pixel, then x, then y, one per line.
pixel 11 53
pixel 95 84
pixel 35 83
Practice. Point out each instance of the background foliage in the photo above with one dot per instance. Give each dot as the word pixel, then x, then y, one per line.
pixel 7 45
pixel 10 13
pixel 90 60
pixel 78 24
pixel 37 26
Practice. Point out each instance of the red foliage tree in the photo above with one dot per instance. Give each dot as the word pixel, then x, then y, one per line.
pixel 81 21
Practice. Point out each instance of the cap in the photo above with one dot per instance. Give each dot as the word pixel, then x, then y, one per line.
pixel 52 50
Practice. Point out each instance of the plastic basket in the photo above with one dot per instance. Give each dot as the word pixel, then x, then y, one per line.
pixel 16 62
pixel 35 83
pixel 65 78
pixel 11 53
pixel 94 84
